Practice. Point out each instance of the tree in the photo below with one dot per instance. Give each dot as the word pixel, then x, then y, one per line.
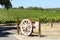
pixel 36 8
pixel 21 7
pixel 6 3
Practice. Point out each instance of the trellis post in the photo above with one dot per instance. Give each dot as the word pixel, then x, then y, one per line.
pixel 39 27
pixel 52 23
pixel 17 25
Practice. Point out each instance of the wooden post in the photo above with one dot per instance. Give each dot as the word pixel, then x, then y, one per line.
pixel 52 23
pixel 17 25
pixel 39 27
pixel 32 25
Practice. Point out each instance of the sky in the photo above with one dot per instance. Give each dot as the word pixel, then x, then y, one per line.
pixel 36 3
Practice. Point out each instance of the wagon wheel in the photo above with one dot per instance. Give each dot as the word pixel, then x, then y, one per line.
pixel 26 27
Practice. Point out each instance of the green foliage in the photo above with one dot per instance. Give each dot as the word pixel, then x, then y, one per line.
pixel 10 22
pixel 13 14
pixel 35 8
pixel 6 3
pixel 0 22
pixel 21 7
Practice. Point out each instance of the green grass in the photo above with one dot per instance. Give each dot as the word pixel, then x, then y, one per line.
pixel 12 14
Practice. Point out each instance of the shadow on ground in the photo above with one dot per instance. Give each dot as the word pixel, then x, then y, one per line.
pixel 3 31
pixel 34 35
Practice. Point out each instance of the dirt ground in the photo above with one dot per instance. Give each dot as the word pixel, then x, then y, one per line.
pixel 47 33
